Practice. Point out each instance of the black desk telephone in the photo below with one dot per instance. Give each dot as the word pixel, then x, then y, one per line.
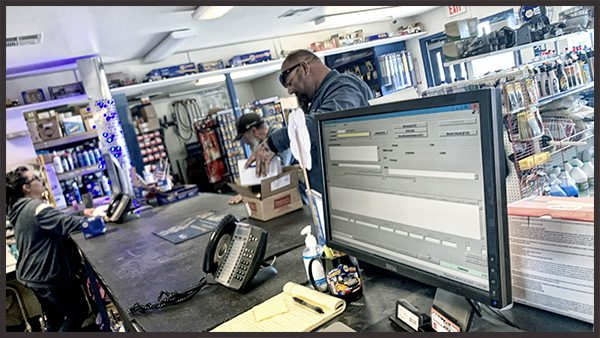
pixel 118 207
pixel 235 253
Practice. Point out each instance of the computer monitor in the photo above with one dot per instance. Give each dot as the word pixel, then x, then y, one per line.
pixel 417 187
pixel 119 177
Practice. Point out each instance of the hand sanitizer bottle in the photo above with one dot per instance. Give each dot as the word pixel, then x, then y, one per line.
pixel 313 251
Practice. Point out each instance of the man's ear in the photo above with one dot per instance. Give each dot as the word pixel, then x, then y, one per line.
pixel 26 189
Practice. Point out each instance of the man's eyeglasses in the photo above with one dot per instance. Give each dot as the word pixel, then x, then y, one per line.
pixel 34 178
pixel 284 75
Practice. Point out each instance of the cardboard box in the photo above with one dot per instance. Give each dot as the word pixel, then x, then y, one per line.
pixel 152 124
pixel 461 29
pixel 73 125
pixel 274 197
pixel 248 176
pixel 88 120
pixel 49 128
pixel 552 254
pixel 32 127
pixel 148 112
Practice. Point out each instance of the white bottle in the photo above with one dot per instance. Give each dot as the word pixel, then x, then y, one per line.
pixel 588 169
pixel 555 170
pixel 312 251
pixel 567 166
pixel 105 186
pixel 581 180
pixel 58 167
pixel 577 161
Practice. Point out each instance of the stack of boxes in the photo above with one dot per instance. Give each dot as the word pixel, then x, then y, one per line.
pixel 458 35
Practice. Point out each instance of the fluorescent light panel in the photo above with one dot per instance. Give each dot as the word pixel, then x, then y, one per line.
pixel 372 15
pixel 210 12
pixel 169 45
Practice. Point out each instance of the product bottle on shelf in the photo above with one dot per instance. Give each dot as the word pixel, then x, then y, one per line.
pixel 577 161
pixel 584 65
pixel 58 167
pixel 80 158
pixel 555 189
pixel 567 184
pixel 567 166
pixel 76 191
pixel 74 158
pixel 562 77
pixel 91 156
pixel 105 186
pixel 588 169
pixel 65 163
pixel 552 81
pixel 97 154
pixel 70 160
pixel 581 180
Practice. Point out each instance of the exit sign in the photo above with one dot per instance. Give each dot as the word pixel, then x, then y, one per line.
pixel 454 10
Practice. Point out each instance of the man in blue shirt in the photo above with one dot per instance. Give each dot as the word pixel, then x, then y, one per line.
pixel 319 90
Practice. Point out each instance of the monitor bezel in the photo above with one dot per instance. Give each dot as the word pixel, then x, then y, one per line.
pixel 494 174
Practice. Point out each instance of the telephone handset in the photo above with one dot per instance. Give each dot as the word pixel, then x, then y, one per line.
pixel 118 207
pixel 235 252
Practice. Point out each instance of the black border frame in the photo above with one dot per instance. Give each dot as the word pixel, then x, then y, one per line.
pixel 494 173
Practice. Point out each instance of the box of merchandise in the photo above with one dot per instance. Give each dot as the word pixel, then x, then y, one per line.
pixel 250 58
pixel 273 197
pixel 210 65
pixel 461 29
pixel 73 125
pixel 150 125
pixel 49 128
pixel 552 254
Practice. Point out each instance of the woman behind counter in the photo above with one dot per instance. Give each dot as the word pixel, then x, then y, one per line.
pixel 46 262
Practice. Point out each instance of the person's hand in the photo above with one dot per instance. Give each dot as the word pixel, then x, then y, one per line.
pixel 263 156
pixel 89 212
pixel 235 199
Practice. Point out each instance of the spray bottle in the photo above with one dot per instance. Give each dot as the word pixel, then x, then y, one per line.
pixel 312 250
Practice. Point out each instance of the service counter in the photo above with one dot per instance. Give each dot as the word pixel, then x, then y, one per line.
pixel 134 265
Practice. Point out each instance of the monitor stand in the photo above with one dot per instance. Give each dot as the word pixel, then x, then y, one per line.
pixel 451 312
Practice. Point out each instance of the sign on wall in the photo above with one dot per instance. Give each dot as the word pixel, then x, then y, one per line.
pixel 455 10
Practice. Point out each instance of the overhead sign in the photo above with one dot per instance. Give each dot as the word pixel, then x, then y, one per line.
pixel 455 10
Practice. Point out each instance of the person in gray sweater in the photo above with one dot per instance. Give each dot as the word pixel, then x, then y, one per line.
pixel 46 263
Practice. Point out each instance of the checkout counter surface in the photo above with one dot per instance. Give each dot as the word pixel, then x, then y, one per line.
pixel 134 265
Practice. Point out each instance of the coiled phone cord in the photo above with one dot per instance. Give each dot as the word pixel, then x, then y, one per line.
pixel 167 298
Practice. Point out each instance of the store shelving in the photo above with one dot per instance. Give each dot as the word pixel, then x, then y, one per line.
pixel 79 172
pixel 66 140
pixel 512 49
pixel 256 70
pixel 16 127
pixel 549 99
pixel 73 100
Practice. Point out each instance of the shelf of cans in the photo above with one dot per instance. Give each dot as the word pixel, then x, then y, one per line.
pixel 233 149
pixel 152 148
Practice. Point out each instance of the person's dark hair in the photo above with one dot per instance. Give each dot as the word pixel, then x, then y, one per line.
pixel 301 54
pixel 15 180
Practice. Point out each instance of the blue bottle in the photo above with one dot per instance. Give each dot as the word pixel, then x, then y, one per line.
pixel 86 158
pixel 97 154
pixel 567 184
pixel 76 191
pixel 80 158
pixel 91 156
pixel 556 190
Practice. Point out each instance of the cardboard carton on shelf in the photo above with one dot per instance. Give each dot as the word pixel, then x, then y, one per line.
pixel 273 197
pixel 49 128
pixel 151 124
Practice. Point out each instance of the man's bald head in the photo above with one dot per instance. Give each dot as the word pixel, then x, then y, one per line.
pixel 300 55
pixel 302 73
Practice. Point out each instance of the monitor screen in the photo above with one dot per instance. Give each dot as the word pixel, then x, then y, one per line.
pixel 417 187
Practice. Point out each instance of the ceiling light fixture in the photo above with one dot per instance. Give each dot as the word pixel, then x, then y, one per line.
pixel 372 15
pixel 169 45
pixel 210 12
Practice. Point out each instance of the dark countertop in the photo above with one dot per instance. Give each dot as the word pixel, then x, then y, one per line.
pixel 135 265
